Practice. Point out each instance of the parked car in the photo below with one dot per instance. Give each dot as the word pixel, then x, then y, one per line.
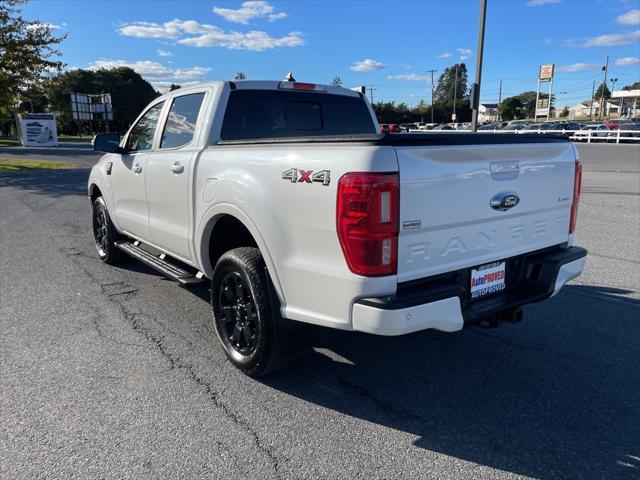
pixel 490 126
pixel 625 133
pixel 515 126
pixel 394 128
pixel 286 199
pixel 384 128
pixel 594 131
pixel 443 127
pixel 407 127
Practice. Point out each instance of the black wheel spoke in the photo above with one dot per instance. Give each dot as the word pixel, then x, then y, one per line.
pixel 239 290
pixel 236 333
pixel 228 314
pixel 229 293
pixel 248 337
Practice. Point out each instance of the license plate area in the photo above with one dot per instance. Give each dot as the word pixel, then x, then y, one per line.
pixel 487 280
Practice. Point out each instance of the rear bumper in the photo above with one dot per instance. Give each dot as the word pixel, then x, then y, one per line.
pixel 443 303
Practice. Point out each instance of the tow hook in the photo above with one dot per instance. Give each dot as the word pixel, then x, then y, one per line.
pixel 514 315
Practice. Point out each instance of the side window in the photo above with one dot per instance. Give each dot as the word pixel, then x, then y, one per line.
pixel 181 121
pixel 141 136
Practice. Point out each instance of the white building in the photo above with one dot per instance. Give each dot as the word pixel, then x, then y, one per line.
pixel 584 109
pixel 487 112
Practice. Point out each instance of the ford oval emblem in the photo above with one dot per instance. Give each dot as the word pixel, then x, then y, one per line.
pixel 503 201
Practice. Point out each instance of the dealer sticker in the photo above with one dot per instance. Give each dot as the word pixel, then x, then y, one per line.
pixel 487 279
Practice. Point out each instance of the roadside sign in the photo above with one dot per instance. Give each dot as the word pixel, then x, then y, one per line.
pixel 546 72
pixel 542 112
pixel 453 117
pixel 38 130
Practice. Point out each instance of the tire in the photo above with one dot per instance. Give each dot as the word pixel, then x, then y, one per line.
pixel 105 234
pixel 253 335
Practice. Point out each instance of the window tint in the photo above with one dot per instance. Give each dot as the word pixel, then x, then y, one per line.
pixel 141 136
pixel 181 121
pixel 253 114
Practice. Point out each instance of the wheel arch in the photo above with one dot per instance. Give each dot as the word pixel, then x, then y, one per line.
pixel 220 220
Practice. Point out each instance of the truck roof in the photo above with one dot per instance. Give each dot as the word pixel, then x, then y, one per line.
pixel 265 85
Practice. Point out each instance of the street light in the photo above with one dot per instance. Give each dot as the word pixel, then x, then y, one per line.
pixel 613 87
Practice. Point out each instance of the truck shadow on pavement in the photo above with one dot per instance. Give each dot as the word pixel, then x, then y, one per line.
pixel 557 396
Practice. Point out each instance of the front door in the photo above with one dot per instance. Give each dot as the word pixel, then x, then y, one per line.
pixel 130 203
pixel 168 180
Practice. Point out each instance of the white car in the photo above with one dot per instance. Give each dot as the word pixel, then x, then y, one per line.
pixel 286 199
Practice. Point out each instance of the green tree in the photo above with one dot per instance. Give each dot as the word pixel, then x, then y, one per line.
pixel 512 108
pixel 174 87
pixel 337 81
pixel 565 112
pixel 601 88
pixel 447 85
pixel 633 86
pixel 240 76
pixel 27 49
pixel 420 112
pixel 130 93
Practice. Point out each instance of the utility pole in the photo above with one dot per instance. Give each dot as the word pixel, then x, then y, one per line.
pixel 431 72
pixel 499 99
pixel 604 85
pixel 455 94
pixel 371 89
pixel 593 89
pixel 475 91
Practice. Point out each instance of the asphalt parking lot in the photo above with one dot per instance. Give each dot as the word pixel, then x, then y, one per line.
pixel 115 372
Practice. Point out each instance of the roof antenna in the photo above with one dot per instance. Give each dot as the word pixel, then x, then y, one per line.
pixel 289 77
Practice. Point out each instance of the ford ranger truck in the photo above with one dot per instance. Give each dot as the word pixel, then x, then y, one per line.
pixel 284 197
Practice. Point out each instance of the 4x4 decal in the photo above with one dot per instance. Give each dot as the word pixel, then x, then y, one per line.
pixel 307 176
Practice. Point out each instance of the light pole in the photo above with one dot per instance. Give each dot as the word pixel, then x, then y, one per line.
pixel 431 72
pixel 455 94
pixel 475 90
pixel 613 87
pixel 604 85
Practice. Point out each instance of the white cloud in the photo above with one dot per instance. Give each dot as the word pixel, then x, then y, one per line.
pixel 627 61
pixel 578 67
pixel 539 3
pixel 632 17
pixel 608 40
pixel 248 11
pixel 445 55
pixel 52 26
pixel 190 32
pixel 464 53
pixel 367 65
pixel 409 76
pixel 164 53
pixel 153 70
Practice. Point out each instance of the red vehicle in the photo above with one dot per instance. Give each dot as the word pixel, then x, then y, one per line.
pixel 389 128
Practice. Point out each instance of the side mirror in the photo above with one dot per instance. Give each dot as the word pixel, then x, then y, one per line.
pixel 107 142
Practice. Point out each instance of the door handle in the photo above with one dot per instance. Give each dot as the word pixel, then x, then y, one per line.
pixel 137 168
pixel 177 168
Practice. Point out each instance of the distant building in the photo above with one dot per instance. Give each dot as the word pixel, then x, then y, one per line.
pixel 583 109
pixel 487 112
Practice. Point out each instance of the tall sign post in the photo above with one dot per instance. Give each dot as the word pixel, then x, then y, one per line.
pixel 543 106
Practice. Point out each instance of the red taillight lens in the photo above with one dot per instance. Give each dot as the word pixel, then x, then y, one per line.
pixel 367 217
pixel 577 187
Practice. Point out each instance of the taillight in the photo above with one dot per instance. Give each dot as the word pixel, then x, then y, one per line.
pixel 577 187
pixel 367 220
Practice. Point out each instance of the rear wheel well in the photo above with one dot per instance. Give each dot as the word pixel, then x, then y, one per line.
pixel 228 233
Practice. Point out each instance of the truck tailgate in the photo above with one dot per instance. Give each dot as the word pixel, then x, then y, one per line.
pixel 446 219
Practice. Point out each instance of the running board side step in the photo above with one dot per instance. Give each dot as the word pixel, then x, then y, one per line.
pixel 159 263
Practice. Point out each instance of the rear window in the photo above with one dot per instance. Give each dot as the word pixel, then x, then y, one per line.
pixel 260 114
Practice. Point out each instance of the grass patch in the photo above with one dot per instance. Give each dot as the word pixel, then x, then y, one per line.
pixel 74 138
pixel 9 142
pixel 13 165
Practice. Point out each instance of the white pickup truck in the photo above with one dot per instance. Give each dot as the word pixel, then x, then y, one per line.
pixel 286 199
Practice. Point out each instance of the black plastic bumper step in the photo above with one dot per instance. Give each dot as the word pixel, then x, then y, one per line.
pixel 160 264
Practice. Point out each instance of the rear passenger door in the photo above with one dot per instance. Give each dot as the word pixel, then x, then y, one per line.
pixel 168 180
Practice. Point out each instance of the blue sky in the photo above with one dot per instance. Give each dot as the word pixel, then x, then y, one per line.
pixel 389 44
